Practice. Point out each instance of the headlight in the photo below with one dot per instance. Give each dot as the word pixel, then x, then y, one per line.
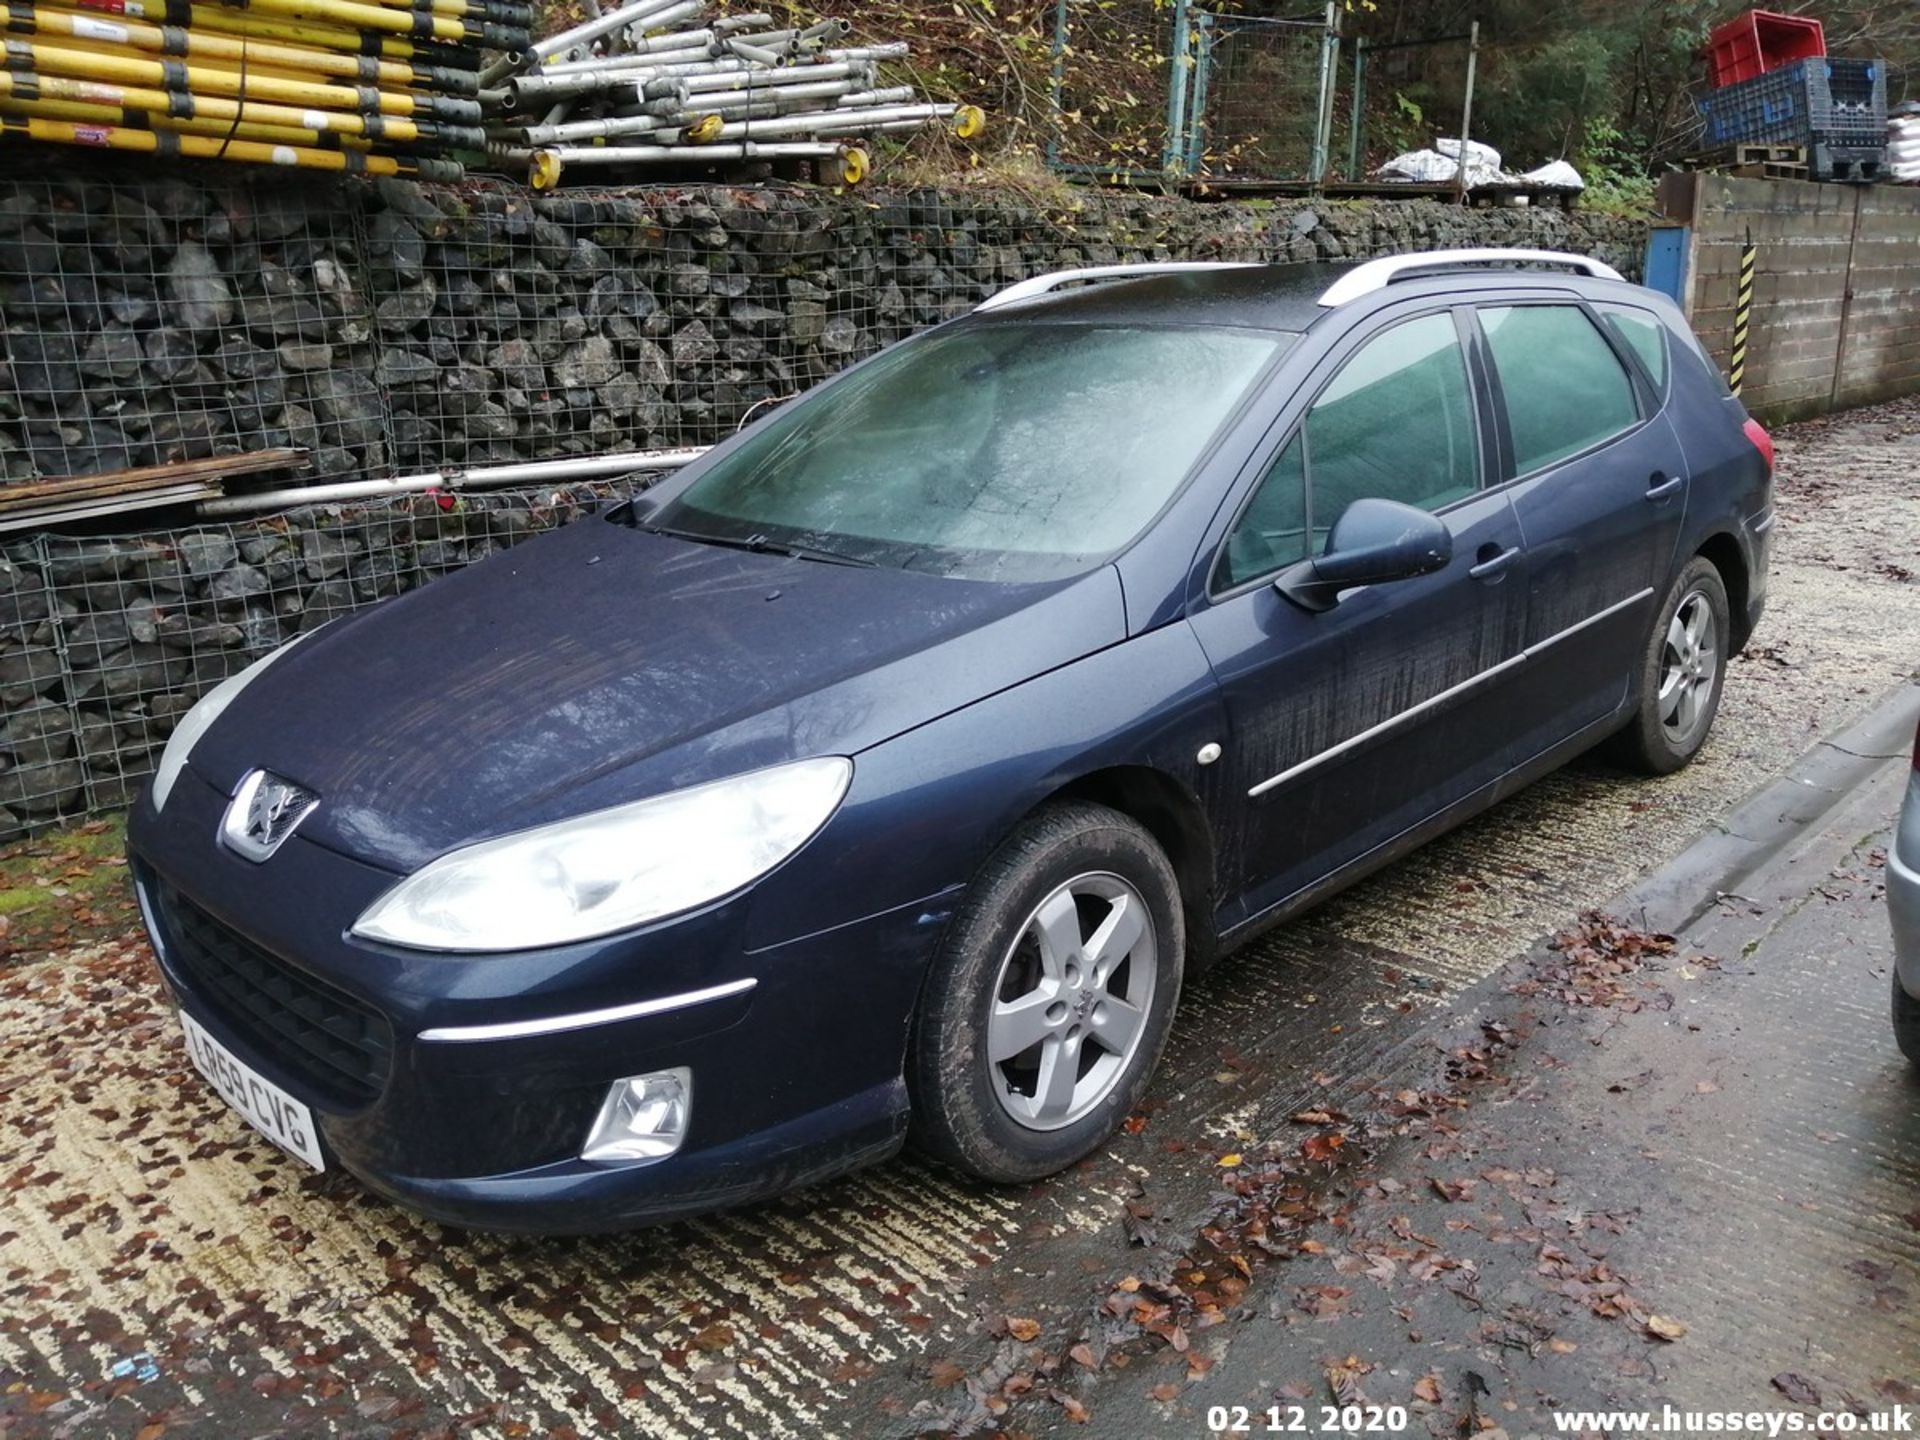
pixel 200 718
pixel 612 869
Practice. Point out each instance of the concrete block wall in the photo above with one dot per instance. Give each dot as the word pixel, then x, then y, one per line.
pixel 1836 307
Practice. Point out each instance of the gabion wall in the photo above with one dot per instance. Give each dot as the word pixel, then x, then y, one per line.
pixel 106 642
pixel 391 327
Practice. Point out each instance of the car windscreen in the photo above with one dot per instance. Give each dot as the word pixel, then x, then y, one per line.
pixel 1001 451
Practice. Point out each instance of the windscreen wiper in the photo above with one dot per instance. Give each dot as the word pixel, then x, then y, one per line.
pixel 761 545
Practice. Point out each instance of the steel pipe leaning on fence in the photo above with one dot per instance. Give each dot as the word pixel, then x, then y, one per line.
pixel 479 477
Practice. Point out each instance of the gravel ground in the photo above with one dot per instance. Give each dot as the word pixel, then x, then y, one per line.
pixel 162 1271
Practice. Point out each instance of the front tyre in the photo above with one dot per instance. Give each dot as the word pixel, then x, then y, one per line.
pixel 1681 674
pixel 1049 1002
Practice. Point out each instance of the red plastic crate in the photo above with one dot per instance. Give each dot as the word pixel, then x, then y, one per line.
pixel 1759 41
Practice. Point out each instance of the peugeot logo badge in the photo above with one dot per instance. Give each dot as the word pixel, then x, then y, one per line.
pixel 264 811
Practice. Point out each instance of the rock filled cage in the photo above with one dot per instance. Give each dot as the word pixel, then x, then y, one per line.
pixel 388 328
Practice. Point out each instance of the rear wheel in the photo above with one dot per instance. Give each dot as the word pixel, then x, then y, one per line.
pixel 1681 675
pixel 1906 1021
pixel 1050 999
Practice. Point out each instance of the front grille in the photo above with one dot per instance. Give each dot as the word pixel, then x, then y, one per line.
pixel 343 1047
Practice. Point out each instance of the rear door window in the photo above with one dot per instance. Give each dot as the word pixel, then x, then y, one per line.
pixel 1645 336
pixel 1565 389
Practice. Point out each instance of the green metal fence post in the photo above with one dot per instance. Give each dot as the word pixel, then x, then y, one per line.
pixel 1323 108
pixel 1057 84
pixel 1180 61
pixel 1356 147
pixel 1197 106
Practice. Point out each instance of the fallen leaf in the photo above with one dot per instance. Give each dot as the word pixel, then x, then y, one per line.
pixel 1427 1388
pixel 152 1430
pixel 1705 1087
pixel 1561 1347
pixel 1229 1161
pixel 945 1374
pixel 1076 1412
pixel 1168 1391
pixel 1023 1329
pixel 1082 1355
pixel 1665 1327
pixel 1322 1147
pixel 1198 1365
pixel 1796 1388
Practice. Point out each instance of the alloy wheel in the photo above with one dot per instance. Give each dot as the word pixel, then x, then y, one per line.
pixel 1071 1001
pixel 1690 659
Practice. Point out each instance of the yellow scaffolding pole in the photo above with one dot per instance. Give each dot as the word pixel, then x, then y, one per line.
pixel 182 106
pixel 213 20
pixel 83 114
pixel 172 40
pixel 207 147
pixel 352 15
pixel 176 75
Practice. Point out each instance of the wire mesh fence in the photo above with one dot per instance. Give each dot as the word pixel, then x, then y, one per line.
pixel 1169 90
pixel 1112 73
pixel 1258 97
pixel 396 327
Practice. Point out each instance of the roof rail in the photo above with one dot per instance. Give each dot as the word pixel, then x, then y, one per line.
pixel 1378 274
pixel 1046 284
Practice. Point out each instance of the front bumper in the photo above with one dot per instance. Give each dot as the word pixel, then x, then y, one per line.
pixel 1903 890
pixel 796 1078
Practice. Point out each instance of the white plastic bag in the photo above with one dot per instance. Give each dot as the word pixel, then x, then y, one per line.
pixel 1555 175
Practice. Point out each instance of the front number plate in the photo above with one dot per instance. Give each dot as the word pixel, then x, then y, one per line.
pixel 268 1108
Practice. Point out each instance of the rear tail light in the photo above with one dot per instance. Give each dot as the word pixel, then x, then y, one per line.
pixel 1762 441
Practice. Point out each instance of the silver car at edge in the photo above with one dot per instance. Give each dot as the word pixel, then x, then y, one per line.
pixel 1903 907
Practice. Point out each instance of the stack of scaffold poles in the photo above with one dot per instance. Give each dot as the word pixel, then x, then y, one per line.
pixel 656 83
pixel 375 87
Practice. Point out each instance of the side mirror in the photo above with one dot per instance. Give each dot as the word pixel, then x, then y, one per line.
pixel 1373 542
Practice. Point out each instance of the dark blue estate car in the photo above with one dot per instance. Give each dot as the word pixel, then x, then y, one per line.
pixel 884 772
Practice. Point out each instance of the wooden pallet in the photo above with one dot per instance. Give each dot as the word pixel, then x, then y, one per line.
pixel 1768 170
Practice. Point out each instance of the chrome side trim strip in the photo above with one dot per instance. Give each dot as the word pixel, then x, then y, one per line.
pixel 1765 523
pixel 1413 712
pixel 556 1024
pixel 1593 619
pixel 1385 725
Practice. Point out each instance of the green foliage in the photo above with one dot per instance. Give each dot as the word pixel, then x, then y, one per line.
pixel 1617 180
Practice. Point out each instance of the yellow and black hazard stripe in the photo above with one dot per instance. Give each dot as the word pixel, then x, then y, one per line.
pixel 1742 316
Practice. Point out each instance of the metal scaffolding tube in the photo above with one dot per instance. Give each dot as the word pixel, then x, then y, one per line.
pixel 479 477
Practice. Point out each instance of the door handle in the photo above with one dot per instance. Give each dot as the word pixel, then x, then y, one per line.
pixel 1493 561
pixel 1659 486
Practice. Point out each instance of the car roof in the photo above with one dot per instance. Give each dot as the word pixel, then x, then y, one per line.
pixel 1284 297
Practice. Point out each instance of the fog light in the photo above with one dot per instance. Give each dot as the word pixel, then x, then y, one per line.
pixel 643 1117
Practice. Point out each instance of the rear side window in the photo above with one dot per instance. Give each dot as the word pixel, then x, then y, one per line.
pixel 1645 336
pixel 1565 389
